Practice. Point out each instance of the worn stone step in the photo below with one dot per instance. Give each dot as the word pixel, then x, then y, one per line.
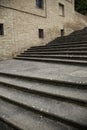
pixel 80 84
pixel 70 39
pixel 75 57
pixel 55 42
pixel 26 119
pixel 76 94
pixel 47 72
pixel 56 49
pixel 63 110
pixel 51 60
pixel 78 36
pixel 62 44
pixel 67 45
pixel 58 52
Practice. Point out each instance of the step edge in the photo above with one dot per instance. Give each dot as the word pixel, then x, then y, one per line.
pixel 49 95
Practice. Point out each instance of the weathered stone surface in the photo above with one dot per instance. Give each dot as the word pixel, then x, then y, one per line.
pixel 44 70
pixel 65 103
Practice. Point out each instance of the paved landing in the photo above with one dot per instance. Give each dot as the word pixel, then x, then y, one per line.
pixel 70 73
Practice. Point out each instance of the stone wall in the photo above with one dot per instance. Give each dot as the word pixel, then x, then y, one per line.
pixel 22 20
pixel 78 23
pixel 6 41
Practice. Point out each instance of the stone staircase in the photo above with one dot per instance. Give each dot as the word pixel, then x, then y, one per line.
pixel 70 49
pixel 41 95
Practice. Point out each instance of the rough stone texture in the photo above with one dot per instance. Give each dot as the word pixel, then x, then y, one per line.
pixel 22 19
pixel 55 90
pixel 65 110
pixel 51 71
pixel 70 102
pixel 28 120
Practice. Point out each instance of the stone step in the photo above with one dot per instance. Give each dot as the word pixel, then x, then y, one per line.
pixel 70 93
pixel 71 44
pixel 82 84
pixel 47 72
pixel 68 112
pixel 58 46
pixel 63 44
pixel 67 42
pixel 69 39
pixel 27 119
pixel 57 49
pixel 51 60
pixel 72 57
pixel 59 52
pixel 78 36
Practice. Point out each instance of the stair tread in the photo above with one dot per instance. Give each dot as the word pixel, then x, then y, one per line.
pixel 52 60
pixel 54 90
pixel 28 120
pixel 60 45
pixel 83 56
pixel 67 51
pixel 58 48
pixel 48 71
pixel 55 46
pixel 65 110
pixel 65 43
